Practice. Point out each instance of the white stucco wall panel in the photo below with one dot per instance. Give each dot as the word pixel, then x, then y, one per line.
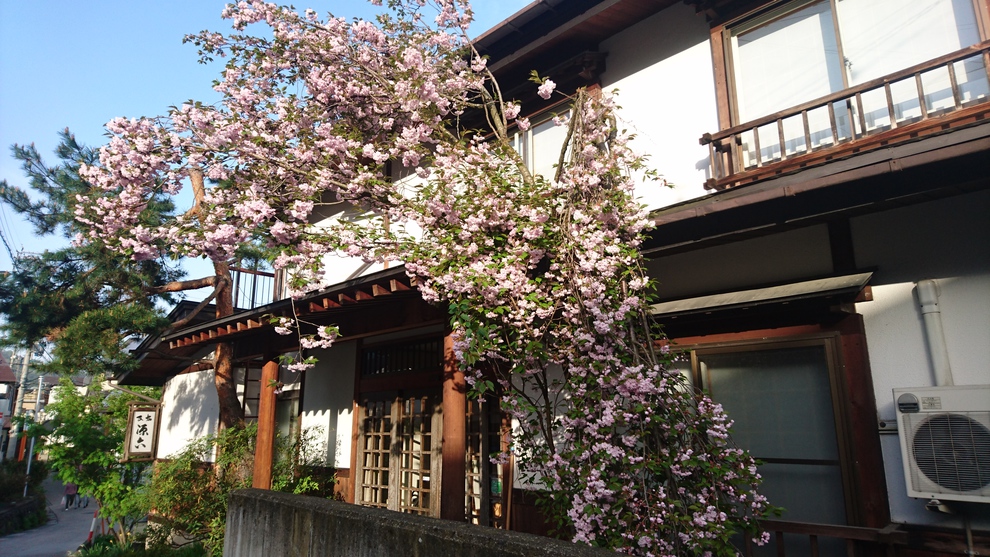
pixel 190 411
pixel 328 400
pixel 662 68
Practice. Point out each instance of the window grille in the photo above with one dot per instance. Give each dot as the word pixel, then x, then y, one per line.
pixel 422 355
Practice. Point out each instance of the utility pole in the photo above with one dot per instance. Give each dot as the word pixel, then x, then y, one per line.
pixel 38 407
pixel 21 388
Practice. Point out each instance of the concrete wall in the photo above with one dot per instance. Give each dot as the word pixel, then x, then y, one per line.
pixel 267 524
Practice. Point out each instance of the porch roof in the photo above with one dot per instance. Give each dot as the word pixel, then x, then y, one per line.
pixel 355 305
pixel 820 300
pixel 846 287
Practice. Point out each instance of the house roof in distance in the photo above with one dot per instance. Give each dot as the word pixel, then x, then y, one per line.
pixel 6 374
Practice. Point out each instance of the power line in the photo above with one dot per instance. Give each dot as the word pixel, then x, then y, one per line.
pixel 5 231
pixel 10 252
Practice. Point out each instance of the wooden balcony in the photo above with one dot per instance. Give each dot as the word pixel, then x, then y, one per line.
pixel 933 97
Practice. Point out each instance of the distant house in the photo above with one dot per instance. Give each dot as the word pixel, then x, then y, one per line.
pixel 8 396
pixel 827 243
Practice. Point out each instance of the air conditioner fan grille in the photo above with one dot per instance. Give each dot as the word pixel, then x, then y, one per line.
pixel 953 451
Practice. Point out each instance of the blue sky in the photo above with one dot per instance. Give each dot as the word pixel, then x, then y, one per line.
pixel 77 64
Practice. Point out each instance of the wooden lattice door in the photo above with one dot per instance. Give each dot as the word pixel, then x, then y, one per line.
pixel 399 459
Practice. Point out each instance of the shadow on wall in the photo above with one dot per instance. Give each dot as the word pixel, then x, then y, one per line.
pixel 191 408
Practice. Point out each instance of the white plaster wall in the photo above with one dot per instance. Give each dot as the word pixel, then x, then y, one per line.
pixel 947 240
pixel 662 68
pixel 328 400
pixel 794 255
pixel 190 410
pixel 341 267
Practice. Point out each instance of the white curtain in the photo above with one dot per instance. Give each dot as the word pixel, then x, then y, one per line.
pixel 880 37
pixel 790 58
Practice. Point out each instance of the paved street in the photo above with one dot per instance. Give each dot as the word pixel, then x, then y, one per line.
pixel 55 539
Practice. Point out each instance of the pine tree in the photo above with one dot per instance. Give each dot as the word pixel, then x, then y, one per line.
pixel 87 300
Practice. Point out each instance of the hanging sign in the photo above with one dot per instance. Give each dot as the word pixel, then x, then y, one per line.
pixel 141 442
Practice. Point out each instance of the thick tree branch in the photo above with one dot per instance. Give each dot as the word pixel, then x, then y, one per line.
pixel 224 281
pixel 183 285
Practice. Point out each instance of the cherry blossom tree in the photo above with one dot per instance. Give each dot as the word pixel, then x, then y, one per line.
pixel 547 292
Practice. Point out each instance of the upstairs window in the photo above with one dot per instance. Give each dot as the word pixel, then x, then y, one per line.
pixel 540 146
pixel 805 50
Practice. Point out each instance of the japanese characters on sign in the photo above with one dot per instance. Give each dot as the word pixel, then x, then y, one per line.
pixel 142 429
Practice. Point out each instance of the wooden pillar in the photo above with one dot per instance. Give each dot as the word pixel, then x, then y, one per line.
pixel 265 443
pixel 452 491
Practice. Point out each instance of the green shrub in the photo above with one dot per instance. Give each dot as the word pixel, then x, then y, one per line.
pixel 190 496
pixel 108 546
pixel 12 475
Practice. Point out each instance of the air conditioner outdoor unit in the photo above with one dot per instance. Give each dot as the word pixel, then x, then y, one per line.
pixel 945 441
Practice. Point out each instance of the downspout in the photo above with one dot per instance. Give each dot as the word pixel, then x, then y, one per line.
pixel 934 334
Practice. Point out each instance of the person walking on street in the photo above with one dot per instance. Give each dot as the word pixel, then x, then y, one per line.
pixel 71 490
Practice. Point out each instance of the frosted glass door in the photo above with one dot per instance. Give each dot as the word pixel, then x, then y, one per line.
pixel 781 402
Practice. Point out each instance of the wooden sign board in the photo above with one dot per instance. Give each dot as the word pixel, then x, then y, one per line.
pixel 141 441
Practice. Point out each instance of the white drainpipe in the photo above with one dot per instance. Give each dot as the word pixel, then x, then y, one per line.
pixel 932 316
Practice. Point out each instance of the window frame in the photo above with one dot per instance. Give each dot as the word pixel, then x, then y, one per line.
pixel 833 360
pixel 858 435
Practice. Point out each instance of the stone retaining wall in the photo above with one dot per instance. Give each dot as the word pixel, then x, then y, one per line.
pixel 269 524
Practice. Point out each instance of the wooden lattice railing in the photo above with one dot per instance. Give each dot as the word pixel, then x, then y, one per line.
pixel 915 101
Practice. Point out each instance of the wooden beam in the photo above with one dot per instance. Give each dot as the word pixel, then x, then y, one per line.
pixel 361 295
pixel 253 324
pixel 397 285
pixel 379 290
pixel 314 307
pixel 265 443
pixel 345 299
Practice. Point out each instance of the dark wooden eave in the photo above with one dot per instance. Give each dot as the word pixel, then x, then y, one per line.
pixel 934 166
pixel 337 305
pixel 558 39
pixel 158 362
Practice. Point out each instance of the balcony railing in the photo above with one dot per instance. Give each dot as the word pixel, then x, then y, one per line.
pixel 252 288
pixel 946 92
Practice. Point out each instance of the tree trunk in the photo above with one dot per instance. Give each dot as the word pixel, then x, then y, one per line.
pixel 231 413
